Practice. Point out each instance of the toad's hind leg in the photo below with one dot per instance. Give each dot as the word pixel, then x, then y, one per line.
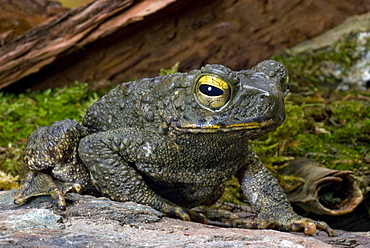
pixel 51 163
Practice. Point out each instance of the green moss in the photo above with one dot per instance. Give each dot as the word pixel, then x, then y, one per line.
pixel 327 125
pixel 322 123
pixel 23 113
pixel 173 69
pixel 233 192
pixel 335 132
pixel 323 69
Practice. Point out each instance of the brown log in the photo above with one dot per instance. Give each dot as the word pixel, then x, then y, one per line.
pixel 69 32
pixel 321 190
pixel 105 41
pixel 19 16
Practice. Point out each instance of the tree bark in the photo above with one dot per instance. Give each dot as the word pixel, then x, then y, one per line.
pixel 322 191
pixel 19 16
pixel 67 33
pixel 108 42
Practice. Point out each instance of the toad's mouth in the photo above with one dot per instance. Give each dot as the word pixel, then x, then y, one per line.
pixel 194 128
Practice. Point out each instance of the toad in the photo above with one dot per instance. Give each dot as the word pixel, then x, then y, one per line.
pixel 171 142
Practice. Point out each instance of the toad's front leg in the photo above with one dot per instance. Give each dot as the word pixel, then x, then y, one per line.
pixel 113 158
pixel 269 201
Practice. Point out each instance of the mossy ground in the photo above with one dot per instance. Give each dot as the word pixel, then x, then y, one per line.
pixel 335 131
pixel 322 122
pixel 23 113
pixel 327 69
pixel 331 128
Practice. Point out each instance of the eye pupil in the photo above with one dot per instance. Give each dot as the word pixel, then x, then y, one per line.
pixel 210 90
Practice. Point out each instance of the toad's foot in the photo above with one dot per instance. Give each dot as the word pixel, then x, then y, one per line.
pixel 197 217
pixel 293 223
pixel 36 183
pixel 184 213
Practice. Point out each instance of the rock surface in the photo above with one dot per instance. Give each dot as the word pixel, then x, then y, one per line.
pixel 99 222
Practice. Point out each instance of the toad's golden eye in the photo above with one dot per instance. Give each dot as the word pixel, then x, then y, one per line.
pixel 212 92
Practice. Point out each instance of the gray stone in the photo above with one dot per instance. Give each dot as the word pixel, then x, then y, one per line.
pixel 99 222
pixel 30 219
